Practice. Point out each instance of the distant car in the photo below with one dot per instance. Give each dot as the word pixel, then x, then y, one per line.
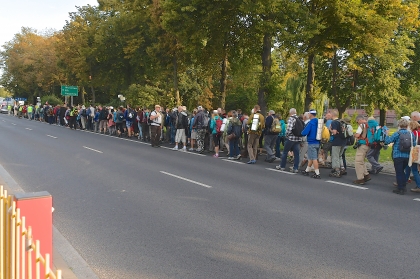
pixel 3 109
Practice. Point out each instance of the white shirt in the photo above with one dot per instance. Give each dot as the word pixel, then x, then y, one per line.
pixel 156 121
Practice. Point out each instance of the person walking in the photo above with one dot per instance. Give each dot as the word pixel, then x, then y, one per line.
pixel 271 132
pixel 181 124
pixel 362 145
pixel 256 125
pixel 310 132
pixel 338 144
pixel 234 132
pixel 292 142
pixel 201 121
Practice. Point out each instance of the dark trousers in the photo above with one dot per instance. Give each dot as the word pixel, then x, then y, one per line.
pixel 89 123
pixel 145 131
pixel 294 146
pixel 279 140
pixel 155 134
pixel 234 147
pixel 72 122
pixel 400 164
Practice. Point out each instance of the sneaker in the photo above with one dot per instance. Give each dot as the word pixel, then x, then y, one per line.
pixel 335 174
pixel 216 155
pixel 378 170
pixel 398 191
pixel 238 157
pixel 280 168
pixel 359 181
pixel 415 190
pixel 305 173
pixel 175 148
pixel 191 149
pixel 367 178
pixel 184 149
pixel 199 150
pixel 316 176
pixel 231 158
pixel 251 162
pixel 271 159
pixel 295 171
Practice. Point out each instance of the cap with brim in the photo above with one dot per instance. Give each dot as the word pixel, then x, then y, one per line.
pixel 312 111
pixel 406 118
pixel 347 120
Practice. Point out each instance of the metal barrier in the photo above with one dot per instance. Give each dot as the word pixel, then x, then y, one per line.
pixel 17 245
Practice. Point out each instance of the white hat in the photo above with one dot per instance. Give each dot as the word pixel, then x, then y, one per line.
pixel 200 108
pixel 312 111
pixel 406 118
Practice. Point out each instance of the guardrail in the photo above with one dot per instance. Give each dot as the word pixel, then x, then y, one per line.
pixel 17 245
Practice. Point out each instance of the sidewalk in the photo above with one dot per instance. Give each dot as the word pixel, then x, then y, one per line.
pixel 58 261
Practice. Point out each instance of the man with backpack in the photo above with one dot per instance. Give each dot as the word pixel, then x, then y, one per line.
pixel 156 122
pixel 311 131
pixel 271 132
pixel 103 122
pixel 129 116
pixel 375 138
pixel 256 125
pixel 281 137
pixel 293 140
pixel 338 131
pixel 362 146
pixel 181 123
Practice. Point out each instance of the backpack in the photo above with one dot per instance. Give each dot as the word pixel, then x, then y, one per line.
pixel 275 126
pixel 206 120
pixel 298 127
pixel 130 113
pixel 120 116
pixel 325 135
pixel 84 113
pixel 344 134
pixel 405 142
pixel 379 135
pixel 219 123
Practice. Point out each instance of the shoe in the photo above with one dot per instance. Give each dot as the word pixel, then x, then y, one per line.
pixel 216 155
pixel 359 181
pixel 343 172
pixel 395 184
pixel 415 190
pixel 251 162
pixel 183 149
pixel 316 176
pixel 238 157
pixel 305 173
pixel 367 178
pixel 280 168
pixel 271 160
pixel 175 148
pixel 398 191
pixel 191 149
pixel 231 158
pixel 335 174
pixel 378 170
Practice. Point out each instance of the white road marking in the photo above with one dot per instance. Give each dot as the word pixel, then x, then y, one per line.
pixel 186 179
pixel 347 185
pixel 51 136
pixel 416 200
pixel 28 129
pixel 14 124
pixel 92 149
pixel 286 172
pixel 233 161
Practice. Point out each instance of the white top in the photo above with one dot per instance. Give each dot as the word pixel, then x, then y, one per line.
pixel 156 121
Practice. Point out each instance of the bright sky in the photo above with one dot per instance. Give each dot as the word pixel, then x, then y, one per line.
pixel 37 14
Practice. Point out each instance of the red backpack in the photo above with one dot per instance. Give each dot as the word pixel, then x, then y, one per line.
pixel 219 123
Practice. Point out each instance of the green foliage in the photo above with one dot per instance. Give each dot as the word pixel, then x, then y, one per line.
pixel 142 96
pixel 52 100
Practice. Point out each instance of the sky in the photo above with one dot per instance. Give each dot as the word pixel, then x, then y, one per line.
pixel 37 14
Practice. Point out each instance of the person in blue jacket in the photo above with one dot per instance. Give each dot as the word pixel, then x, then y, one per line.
pixel 310 132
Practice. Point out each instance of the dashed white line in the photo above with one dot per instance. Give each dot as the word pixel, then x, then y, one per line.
pixel 347 185
pixel 13 124
pixel 28 129
pixel 92 149
pixel 186 179
pixel 232 161
pixel 51 136
pixel 416 200
pixel 286 172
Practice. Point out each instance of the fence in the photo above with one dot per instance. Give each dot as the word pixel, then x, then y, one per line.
pixel 17 245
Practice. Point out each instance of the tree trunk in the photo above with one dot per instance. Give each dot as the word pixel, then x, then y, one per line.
pixel 176 87
pixel 382 117
pixel 83 95
pixel 263 92
pixel 223 78
pixel 93 94
pixel 309 99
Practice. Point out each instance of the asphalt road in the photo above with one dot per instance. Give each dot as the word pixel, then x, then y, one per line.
pixel 132 211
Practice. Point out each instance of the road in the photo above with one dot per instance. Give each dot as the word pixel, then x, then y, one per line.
pixel 132 211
